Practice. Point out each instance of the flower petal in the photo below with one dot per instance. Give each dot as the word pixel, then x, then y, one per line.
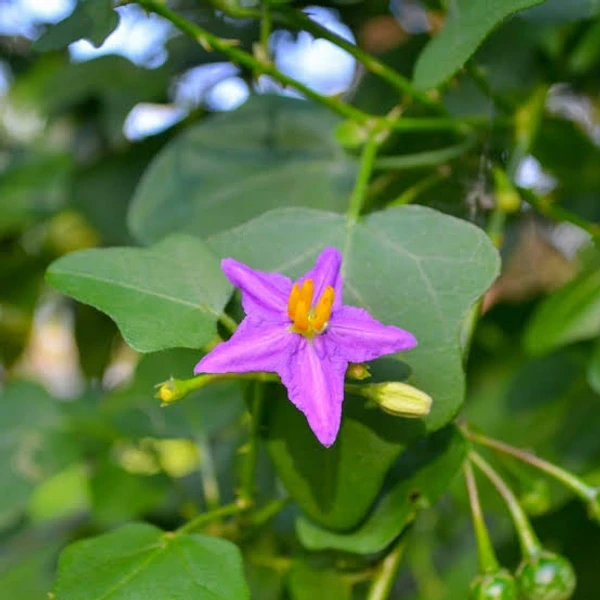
pixel 253 347
pixel 327 272
pixel 264 295
pixel 358 337
pixel 315 385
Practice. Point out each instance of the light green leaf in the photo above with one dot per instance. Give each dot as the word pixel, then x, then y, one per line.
pixel 424 473
pixel 308 583
pixel 94 20
pixel 166 296
pixel 271 152
pixel 409 266
pixel 468 23
pixel 140 562
pixel 569 315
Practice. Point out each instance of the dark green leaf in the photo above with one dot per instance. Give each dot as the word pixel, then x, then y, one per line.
pixel 559 11
pixel 162 297
pixel 141 562
pixel 424 473
pixel 307 583
pixel 94 20
pixel 569 315
pixel 271 152
pixel 468 23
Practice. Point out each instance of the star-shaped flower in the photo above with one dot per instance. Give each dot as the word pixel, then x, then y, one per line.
pixel 302 332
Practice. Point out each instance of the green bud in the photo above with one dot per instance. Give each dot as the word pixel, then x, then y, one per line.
pixel 536 498
pixel 358 371
pixel 399 399
pixel 350 134
pixel 508 199
pixel 494 586
pixel 546 576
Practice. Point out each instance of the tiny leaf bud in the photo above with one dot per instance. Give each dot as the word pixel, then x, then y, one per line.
pixel 399 399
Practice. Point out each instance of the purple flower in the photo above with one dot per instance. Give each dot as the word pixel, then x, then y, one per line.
pixel 303 332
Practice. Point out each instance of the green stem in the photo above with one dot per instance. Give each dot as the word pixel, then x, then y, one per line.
pixel 546 207
pixel 362 181
pixel 227 322
pixel 261 67
pixel 299 20
pixel 424 159
pixel 488 563
pixel 267 512
pixel 383 581
pixel 530 544
pixel 210 516
pixel 574 483
pixel 248 475
pixel 210 484
pixel 414 191
pixel 245 59
pixel 266 23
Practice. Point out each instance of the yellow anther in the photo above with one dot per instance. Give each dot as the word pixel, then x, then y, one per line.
pixel 322 311
pixel 306 293
pixel 293 301
pixel 300 319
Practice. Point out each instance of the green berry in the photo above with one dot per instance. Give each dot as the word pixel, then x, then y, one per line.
pixel 546 576
pixel 494 586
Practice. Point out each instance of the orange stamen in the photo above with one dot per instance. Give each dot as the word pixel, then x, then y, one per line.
pixel 293 301
pixel 300 319
pixel 322 310
pixel 306 293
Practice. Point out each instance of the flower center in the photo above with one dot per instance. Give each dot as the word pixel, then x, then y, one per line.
pixel 306 318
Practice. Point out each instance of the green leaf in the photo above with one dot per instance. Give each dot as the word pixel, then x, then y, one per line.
pixel 559 11
pixel 593 370
pixel 409 266
pixel 94 20
pixel 166 296
pixel 33 444
pixel 570 315
pixel 141 562
pixel 271 152
pixel 308 583
pixel 468 23
pixel 424 473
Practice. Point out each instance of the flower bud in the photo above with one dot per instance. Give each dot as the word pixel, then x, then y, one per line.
pixel 399 399
pixel 536 498
pixel 508 199
pixel 358 371
pixel 350 134
pixel 546 576
pixel 494 586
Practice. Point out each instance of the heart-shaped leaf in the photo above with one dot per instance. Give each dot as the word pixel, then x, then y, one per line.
pixel 409 266
pixel 140 562
pixel 167 296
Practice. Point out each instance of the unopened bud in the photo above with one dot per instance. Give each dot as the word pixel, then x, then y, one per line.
pixel 507 197
pixel 350 134
pixel 536 498
pixel 358 371
pixel 546 576
pixel 175 389
pixel 494 586
pixel 399 399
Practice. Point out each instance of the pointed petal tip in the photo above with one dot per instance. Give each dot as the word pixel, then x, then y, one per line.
pixel 326 437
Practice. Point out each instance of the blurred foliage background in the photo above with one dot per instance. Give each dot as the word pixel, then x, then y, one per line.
pixel 86 447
